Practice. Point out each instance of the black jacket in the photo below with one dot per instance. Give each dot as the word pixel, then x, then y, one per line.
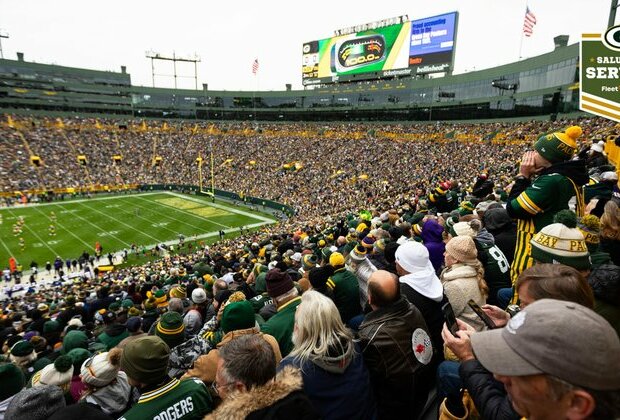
pixel 397 350
pixel 489 395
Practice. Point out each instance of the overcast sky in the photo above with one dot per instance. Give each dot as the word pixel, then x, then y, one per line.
pixel 228 35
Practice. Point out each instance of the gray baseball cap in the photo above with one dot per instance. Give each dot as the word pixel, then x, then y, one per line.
pixel 559 338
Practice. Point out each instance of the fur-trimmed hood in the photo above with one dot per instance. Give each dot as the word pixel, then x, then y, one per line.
pixel 240 404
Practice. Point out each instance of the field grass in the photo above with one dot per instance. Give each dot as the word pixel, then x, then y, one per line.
pixel 117 222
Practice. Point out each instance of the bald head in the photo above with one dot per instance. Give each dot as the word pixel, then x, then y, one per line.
pixel 383 289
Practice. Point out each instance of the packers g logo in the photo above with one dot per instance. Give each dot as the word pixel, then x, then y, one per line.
pixel 612 38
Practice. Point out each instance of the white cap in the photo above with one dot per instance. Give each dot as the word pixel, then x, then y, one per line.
pixel 199 295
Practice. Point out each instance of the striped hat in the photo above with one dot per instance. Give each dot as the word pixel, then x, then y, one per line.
pixel 561 243
pixel 171 329
pixel 558 147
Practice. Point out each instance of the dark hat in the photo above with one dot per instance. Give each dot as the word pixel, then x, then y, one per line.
pixel 78 356
pixel 146 359
pixel 74 339
pixel 22 348
pixel 238 316
pixel 134 324
pixel 37 403
pixel 51 326
pixel 318 276
pixel 171 328
pixel 278 283
pixel 80 411
pixel 127 303
pixel 12 380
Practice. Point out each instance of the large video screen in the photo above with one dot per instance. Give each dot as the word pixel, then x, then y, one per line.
pixel 410 48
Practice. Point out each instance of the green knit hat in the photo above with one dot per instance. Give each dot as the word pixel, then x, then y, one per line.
pixel 73 340
pixel 78 356
pixel 51 326
pixel 562 243
pixel 114 306
pixel 127 303
pixel 12 380
pixel 146 359
pixel 238 316
pixel 22 348
pixel 171 329
pixel 558 147
pixel 590 226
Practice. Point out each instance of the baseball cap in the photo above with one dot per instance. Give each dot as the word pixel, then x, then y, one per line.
pixel 554 337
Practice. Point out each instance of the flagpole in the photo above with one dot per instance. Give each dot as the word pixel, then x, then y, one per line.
pixel 522 36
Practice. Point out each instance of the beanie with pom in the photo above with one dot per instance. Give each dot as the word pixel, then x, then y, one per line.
pixel 558 147
pixel 59 373
pixel 101 369
pixel 562 243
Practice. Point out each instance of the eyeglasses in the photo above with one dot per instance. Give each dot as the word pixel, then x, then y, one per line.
pixel 87 364
pixel 215 387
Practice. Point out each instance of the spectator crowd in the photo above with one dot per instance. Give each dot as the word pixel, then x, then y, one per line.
pixel 457 279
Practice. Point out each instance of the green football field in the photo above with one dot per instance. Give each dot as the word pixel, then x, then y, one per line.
pixel 117 222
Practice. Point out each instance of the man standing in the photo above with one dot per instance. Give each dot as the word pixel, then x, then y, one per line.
pixel 548 180
pixel 145 362
pixel 396 348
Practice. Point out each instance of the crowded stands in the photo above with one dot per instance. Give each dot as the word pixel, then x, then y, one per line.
pixel 445 271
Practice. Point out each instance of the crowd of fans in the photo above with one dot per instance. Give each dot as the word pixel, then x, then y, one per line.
pixel 466 274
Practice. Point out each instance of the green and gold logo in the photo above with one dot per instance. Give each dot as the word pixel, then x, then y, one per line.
pixel 600 73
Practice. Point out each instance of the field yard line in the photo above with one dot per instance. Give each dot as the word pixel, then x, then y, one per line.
pixel 195 215
pixel 64 228
pixel 219 206
pixel 114 197
pixel 148 220
pixel 207 235
pixel 169 217
pixel 95 226
pixel 38 237
pixel 123 223
pixel 7 248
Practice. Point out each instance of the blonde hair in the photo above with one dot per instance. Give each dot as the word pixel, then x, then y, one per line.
pixel 610 221
pixel 318 328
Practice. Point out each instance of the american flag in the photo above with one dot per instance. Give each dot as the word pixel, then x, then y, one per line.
pixel 255 66
pixel 528 22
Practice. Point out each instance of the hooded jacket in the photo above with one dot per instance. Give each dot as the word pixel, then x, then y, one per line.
pixel 338 384
pixel 504 231
pixel 460 284
pixel 113 398
pixel 433 241
pixel 112 335
pixel 279 399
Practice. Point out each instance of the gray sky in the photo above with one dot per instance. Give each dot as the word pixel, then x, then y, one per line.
pixel 228 35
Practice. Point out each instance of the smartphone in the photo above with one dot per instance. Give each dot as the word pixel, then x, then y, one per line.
pixel 448 314
pixel 484 317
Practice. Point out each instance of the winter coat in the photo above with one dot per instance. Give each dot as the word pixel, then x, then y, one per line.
pixel 182 356
pixel 488 394
pixel 397 350
pixel 280 325
pixel 205 366
pixel 460 284
pixel 113 398
pixel 279 399
pixel 503 229
pixel 433 241
pixel 612 247
pixel 338 385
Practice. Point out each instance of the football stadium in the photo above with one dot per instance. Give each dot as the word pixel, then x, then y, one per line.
pixel 398 235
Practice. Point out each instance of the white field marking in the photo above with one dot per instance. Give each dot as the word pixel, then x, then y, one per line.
pixel 219 206
pixel 64 228
pixel 204 219
pixel 96 227
pixel 141 217
pixel 122 223
pixel 60 203
pixel 6 247
pixel 39 238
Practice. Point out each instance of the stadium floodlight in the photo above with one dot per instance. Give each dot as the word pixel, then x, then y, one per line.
pixel 195 58
pixel 3 34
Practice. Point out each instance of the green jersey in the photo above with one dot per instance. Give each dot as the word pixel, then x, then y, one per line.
pixel 176 400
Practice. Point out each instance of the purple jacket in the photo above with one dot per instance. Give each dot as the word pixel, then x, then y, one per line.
pixel 432 240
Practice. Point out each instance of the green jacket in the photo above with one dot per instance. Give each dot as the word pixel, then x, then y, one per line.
pixel 281 325
pixel 346 293
pixel 187 399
